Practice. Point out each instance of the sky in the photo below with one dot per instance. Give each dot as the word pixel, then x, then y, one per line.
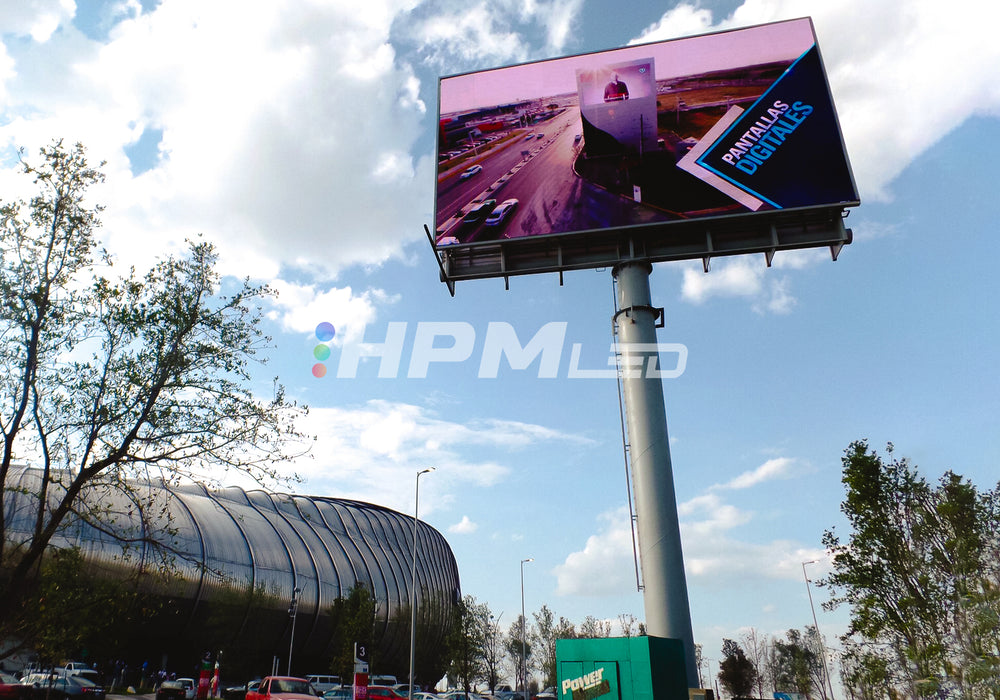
pixel 299 137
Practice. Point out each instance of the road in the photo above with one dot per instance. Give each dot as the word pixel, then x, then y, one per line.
pixel 552 198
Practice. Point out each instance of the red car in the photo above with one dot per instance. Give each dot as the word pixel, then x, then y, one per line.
pixel 283 688
pixel 10 687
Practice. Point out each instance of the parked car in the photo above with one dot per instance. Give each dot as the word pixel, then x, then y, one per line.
pixel 461 695
pixel 239 692
pixel 190 687
pixel 46 686
pixel 508 695
pixel 284 688
pixel 385 692
pixel 323 682
pixel 426 696
pixel 171 690
pixel 10 687
pixel 547 694
pixel 341 693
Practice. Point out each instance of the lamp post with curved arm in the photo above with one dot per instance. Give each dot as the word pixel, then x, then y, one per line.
pixel 524 657
pixel 413 582
pixel 822 647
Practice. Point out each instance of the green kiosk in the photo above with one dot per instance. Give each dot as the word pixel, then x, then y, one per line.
pixel 622 668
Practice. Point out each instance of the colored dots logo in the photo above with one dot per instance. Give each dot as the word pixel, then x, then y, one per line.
pixel 324 333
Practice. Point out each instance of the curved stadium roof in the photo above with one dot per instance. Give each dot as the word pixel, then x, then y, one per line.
pixel 245 541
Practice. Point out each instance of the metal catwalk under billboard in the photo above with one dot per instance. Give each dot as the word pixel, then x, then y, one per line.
pixel 720 125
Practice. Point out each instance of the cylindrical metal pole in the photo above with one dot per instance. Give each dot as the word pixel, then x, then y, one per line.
pixel 665 597
pixel 822 647
pixel 413 581
pixel 293 610
pixel 524 655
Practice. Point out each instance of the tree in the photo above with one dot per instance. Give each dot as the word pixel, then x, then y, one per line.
pixel 467 642
pixel 920 573
pixel 736 673
pixel 519 651
pixel 627 622
pixel 592 628
pixel 493 649
pixel 794 664
pixel 112 382
pixel 756 646
pixel 547 632
pixel 351 621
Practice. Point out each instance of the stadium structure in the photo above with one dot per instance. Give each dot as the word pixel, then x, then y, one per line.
pixel 249 554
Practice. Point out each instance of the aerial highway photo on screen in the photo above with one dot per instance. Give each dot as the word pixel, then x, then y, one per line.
pixel 722 124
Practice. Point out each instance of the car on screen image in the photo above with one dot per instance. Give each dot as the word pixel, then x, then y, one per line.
pixel 384 692
pixel 502 212
pixel 470 171
pixel 478 213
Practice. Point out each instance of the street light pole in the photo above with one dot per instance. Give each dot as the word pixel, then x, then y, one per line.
pixel 293 610
pixel 413 581
pixel 822 647
pixel 524 657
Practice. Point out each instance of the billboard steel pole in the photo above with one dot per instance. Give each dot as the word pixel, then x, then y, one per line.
pixel 665 598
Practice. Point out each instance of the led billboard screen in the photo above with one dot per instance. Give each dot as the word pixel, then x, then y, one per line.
pixel 637 140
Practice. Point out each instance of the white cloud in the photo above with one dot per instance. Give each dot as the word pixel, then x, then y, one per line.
pixel 38 19
pixel 714 554
pixel 605 566
pixel 287 132
pixel 463 527
pixel 779 468
pixel 373 452
pixel 301 307
pixel 886 71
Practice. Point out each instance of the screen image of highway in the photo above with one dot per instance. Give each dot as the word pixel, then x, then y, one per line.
pixel 593 142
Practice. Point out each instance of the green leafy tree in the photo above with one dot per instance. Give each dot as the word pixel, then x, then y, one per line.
pixel 736 672
pixel 351 621
pixel 520 653
pixel 80 616
pixel 547 631
pixel 794 664
pixel 493 650
pixel 920 574
pixel 113 381
pixel 468 639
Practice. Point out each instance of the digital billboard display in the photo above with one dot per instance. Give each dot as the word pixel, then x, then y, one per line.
pixel 639 141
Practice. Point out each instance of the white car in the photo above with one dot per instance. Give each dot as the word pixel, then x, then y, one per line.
pixel 500 214
pixel 470 171
pixel 190 687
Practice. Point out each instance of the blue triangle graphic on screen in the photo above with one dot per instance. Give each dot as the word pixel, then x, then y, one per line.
pixel 786 149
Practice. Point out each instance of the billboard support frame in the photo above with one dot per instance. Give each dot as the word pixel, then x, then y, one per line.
pixel 702 240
